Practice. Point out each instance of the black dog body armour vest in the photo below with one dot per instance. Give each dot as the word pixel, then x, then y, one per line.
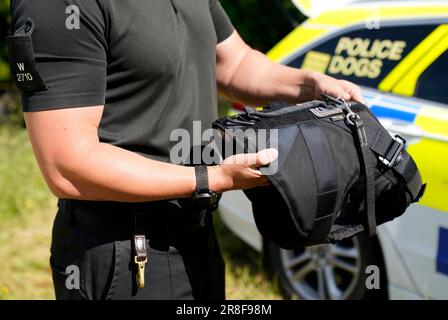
pixel 339 172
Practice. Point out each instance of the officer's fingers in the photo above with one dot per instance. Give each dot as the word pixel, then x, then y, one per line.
pixel 253 160
pixel 359 97
pixel 353 90
pixel 241 159
pixel 334 88
pixel 264 157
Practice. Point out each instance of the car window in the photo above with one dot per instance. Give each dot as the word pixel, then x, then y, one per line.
pixel 433 83
pixel 364 56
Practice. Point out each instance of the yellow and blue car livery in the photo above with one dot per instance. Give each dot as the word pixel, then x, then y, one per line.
pixel 398 53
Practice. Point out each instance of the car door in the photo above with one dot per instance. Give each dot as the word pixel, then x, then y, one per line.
pixel 422 234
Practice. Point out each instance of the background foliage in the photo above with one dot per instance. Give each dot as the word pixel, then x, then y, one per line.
pixel 262 23
pixel 4 28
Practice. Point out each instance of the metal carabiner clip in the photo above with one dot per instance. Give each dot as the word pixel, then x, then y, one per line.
pixel 344 105
pixel 351 116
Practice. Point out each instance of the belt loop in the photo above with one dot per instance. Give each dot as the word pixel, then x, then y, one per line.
pixel 137 223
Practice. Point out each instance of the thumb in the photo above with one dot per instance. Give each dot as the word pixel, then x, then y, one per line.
pixel 265 157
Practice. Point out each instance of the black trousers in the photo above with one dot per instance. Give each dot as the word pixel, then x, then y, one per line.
pixel 184 259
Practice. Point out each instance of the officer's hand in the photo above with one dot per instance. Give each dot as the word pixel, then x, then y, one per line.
pixel 336 88
pixel 241 172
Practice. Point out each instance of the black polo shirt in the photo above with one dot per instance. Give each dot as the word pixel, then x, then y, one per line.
pixel 150 62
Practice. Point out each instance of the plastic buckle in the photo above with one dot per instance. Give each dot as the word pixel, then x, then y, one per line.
pixel 398 154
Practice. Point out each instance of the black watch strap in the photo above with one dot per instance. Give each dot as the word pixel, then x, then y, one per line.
pixel 201 179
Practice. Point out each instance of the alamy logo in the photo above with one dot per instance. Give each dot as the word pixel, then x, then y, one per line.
pixel 373 22
pixel 73 20
pixel 206 147
pixel 373 278
pixel 73 280
pixel 21 66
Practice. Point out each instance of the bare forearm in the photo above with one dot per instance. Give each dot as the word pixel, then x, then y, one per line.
pixel 257 80
pixel 105 172
pixel 248 76
pixel 76 165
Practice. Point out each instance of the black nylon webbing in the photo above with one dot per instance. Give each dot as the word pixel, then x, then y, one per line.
pixel 384 145
pixel 367 166
pixel 408 170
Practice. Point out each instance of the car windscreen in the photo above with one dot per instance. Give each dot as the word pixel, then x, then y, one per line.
pixel 433 83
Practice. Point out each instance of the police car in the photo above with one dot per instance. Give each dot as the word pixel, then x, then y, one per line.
pixel 397 51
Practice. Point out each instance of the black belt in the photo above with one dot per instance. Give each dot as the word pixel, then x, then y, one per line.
pixel 160 218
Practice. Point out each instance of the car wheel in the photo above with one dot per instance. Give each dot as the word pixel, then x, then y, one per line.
pixel 333 271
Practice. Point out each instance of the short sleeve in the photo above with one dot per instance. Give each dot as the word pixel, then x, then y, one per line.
pixel 223 25
pixel 68 51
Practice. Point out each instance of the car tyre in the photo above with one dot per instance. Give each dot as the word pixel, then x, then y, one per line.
pixel 334 271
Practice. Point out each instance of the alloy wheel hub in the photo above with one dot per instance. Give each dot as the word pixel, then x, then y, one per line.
pixel 323 271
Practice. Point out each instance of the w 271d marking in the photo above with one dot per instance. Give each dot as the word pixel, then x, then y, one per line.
pixel 23 76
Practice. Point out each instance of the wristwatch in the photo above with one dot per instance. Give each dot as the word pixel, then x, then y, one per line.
pixel 203 197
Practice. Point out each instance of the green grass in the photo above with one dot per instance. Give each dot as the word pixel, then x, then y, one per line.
pixel 23 191
pixel 26 214
pixel 245 275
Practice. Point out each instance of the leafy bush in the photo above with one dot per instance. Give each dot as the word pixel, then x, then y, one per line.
pixel 4 29
pixel 262 23
pixel 10 110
